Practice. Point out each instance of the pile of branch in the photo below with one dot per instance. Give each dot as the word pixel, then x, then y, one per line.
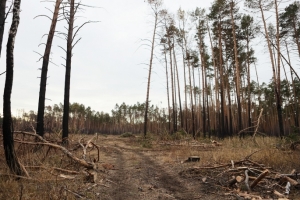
pixel 89 166
pixel 246 179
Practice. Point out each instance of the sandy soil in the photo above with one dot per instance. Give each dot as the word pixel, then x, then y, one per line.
pixel 152 173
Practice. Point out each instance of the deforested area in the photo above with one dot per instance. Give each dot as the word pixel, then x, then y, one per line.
pixel 153 99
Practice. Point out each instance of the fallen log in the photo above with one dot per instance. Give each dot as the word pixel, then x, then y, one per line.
pixel 288 179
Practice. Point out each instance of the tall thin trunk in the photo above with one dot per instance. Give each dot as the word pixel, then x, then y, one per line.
pixel 222 117
pixel 216 79
pixel 167 77
pixel 237 68
pixel 204 89
pixel 190 82
pixel 149 74
pixel 65 127
pixel 185 92
pixel 280 122
pixel 175 95
pixel 7 126
pixel 172 85
pixel 278 84
pixel 43 83
pixel 178 87
pixel 248 83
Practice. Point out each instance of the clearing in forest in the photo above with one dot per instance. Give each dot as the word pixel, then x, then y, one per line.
pixel 158 167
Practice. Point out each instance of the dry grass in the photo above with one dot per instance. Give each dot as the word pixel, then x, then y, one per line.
pixel 270 151
pixel 45 182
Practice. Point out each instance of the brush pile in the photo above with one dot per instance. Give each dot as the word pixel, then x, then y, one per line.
pixel 246 179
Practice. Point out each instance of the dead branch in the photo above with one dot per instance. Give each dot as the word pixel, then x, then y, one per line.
pixel 259 178
pixel 82 162
pixel 84 147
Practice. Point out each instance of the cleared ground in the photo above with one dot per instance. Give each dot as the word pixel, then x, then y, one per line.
pixel 135 168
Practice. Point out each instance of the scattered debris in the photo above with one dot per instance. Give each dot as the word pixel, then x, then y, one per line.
pixel 246 179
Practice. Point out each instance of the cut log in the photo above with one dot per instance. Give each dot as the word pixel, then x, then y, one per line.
pixel 239 179
pixel 235 180
pixel 288 179
pixel 259 178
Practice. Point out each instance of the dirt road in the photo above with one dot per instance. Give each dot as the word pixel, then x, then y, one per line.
pixel 140 173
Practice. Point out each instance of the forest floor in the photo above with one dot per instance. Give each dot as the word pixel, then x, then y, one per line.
pixel 135 168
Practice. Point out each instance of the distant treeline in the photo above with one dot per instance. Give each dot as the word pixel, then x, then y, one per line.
pixel 130 118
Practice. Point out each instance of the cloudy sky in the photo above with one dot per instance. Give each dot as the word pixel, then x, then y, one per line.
pixel 108 65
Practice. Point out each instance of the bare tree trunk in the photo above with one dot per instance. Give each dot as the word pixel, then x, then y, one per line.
pixel 65 127
pixel 185 92
pixel 216 79
pixel 178 87
pixel 237 68
pixel 222 120
pixel 149 73
pixel 43 83
pixel 7 126
pixel 280 122
pixel 2 21
pixel 204 89
pixel 167 77
pixel 172 85
pixel 278 84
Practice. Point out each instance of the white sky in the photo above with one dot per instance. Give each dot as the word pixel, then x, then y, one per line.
pixel 107 66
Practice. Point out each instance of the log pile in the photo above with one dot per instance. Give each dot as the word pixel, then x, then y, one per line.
pixel 246 179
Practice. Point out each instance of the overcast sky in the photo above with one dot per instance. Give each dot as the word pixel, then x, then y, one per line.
pixel 108 65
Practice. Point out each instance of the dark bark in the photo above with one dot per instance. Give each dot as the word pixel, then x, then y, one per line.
pixel 2 21
pixel 43 83
pixel 65 127
pixel 7 126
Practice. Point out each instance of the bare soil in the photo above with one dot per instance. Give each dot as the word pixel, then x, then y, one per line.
pixel 132 168
pixel 141 173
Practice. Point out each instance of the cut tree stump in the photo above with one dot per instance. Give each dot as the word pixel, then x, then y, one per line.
pixel 193 159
